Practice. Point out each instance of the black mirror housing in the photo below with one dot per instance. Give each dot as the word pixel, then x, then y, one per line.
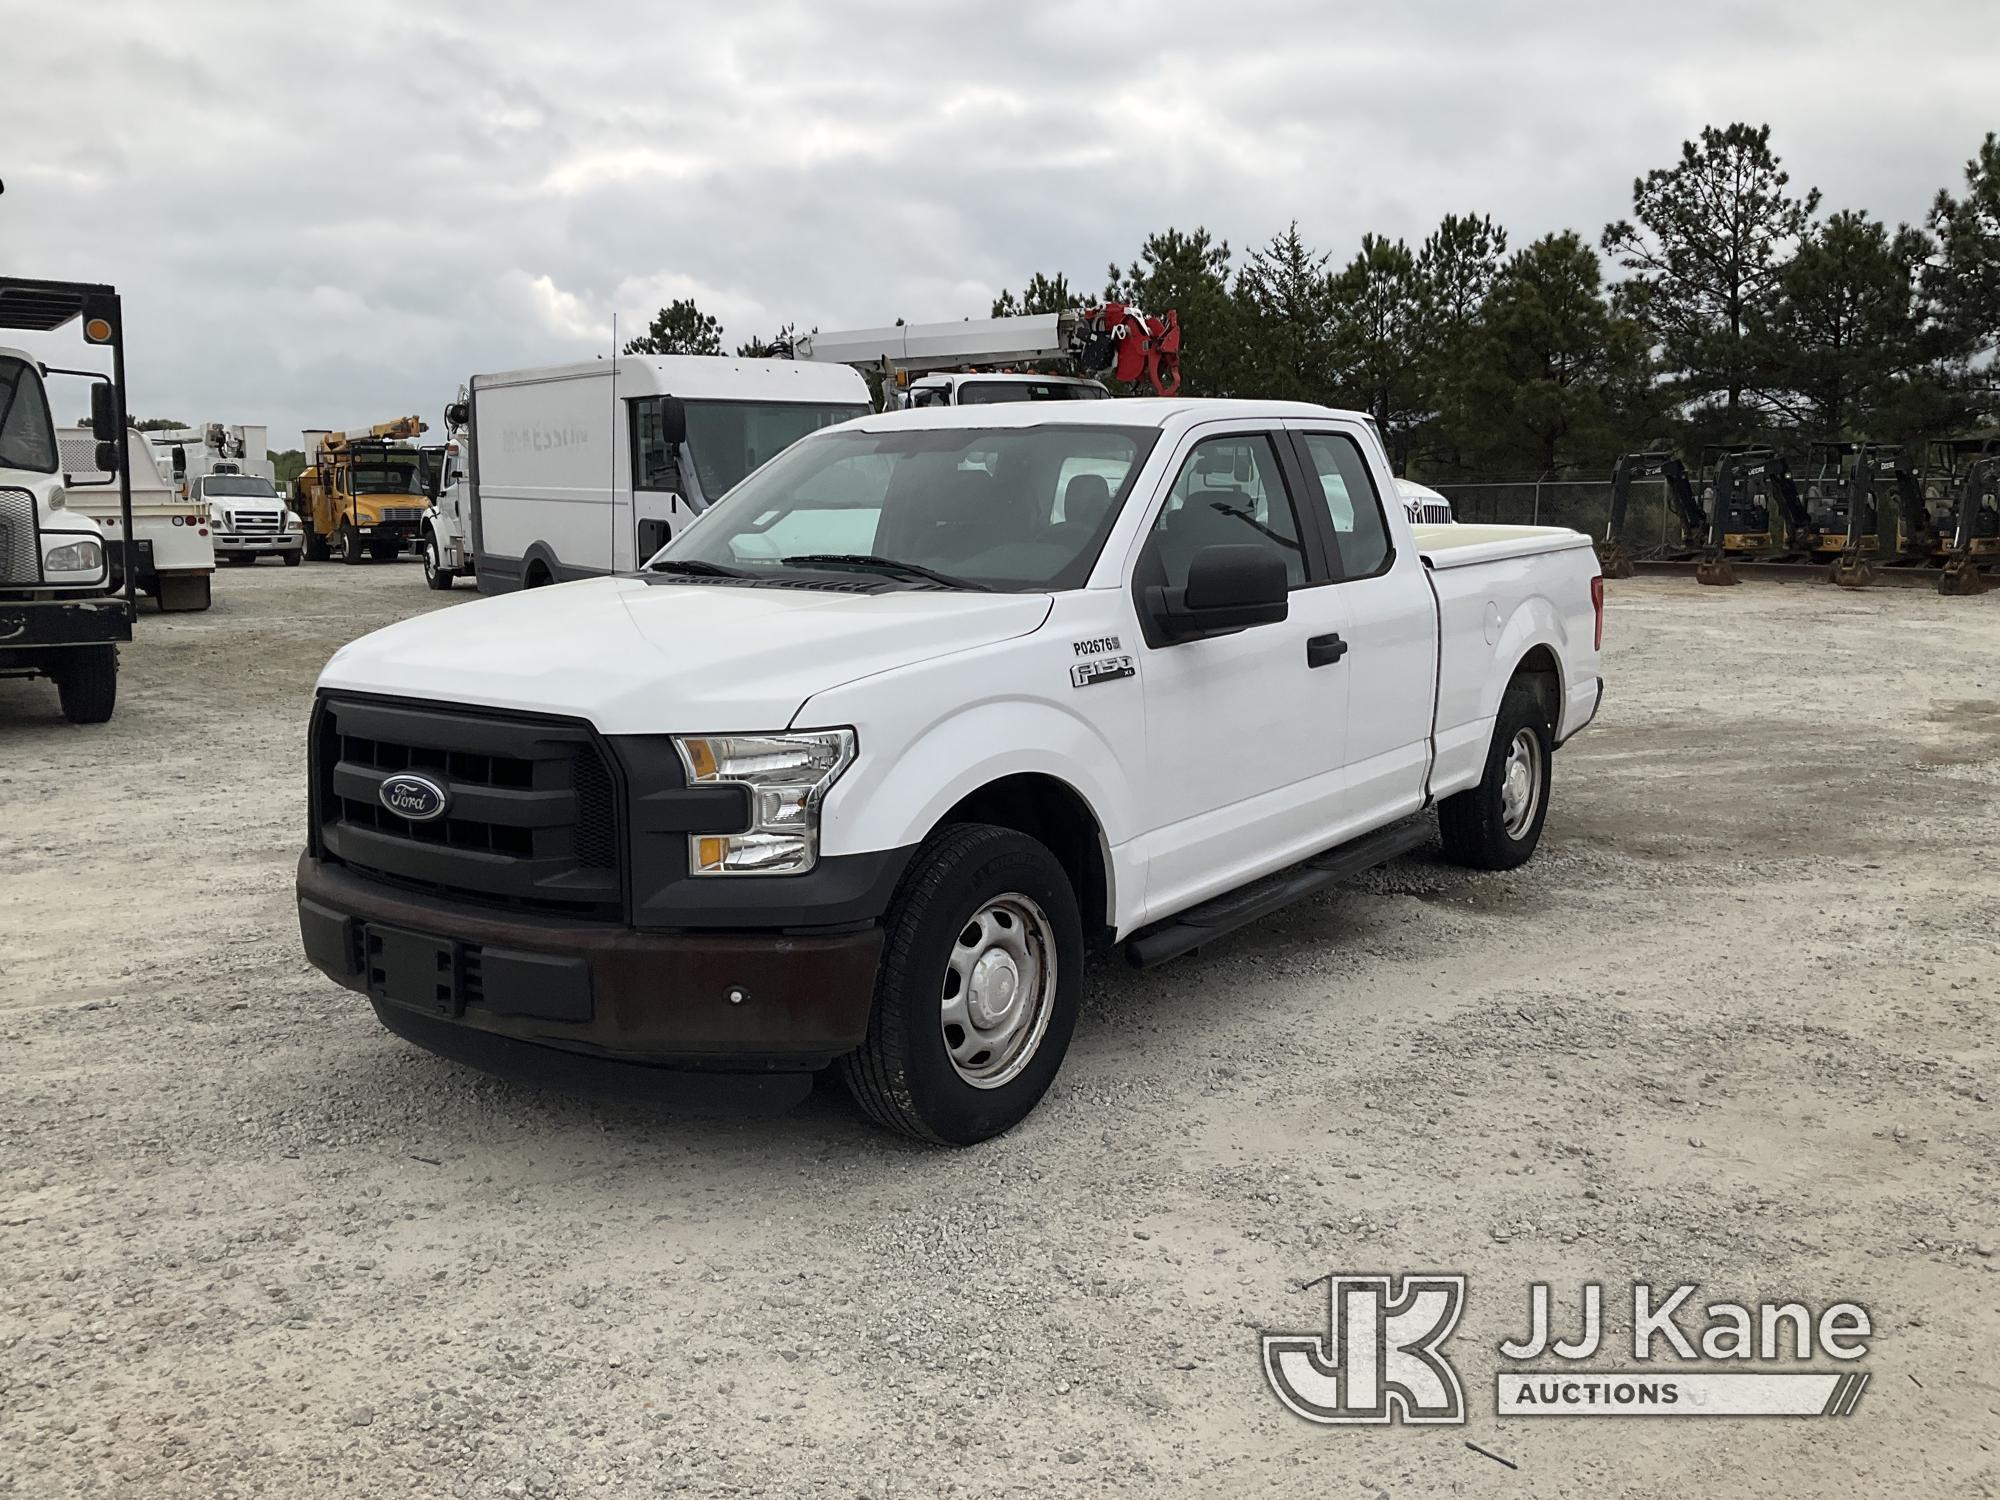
pixel 673 420
pixel 1228 589
pixel 108 455
pixel 103 409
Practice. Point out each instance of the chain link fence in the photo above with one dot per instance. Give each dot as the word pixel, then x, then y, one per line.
pixel 1583 504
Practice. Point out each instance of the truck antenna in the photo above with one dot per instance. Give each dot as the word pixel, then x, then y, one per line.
pixel 611 491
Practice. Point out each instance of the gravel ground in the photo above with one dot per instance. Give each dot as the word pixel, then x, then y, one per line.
pixel 1732 1026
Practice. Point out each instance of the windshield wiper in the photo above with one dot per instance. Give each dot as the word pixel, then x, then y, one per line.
pixel 868 563
pixel 694 567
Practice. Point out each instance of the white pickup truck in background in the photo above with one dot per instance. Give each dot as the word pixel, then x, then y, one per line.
pixel 247 517
pixel 859 765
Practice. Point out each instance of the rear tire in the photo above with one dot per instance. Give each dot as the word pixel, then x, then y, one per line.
pixel 87 683
pixel 1497 824
pixel 315 546
pixel 978 990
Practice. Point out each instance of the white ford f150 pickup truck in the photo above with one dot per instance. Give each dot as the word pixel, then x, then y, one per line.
pixel 862 762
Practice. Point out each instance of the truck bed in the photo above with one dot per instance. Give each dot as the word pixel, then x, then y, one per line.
pixel 1459 546
pixel 1497 586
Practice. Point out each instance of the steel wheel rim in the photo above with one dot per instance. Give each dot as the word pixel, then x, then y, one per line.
pixel 998 990
pixel 430 559
pixel 1521 783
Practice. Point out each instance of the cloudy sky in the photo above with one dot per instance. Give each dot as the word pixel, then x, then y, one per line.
pixel 331 214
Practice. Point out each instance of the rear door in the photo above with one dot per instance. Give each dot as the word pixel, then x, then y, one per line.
pixel 1244 734
pixel 1391 626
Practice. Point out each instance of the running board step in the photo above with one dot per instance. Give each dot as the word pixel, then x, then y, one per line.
pixel 1205 923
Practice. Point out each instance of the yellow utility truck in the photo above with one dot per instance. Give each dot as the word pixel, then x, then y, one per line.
pixel 362 494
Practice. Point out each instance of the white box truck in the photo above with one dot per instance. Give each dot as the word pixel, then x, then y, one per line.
pixel 578 470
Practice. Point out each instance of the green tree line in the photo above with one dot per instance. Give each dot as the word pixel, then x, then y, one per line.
pixel 1725 307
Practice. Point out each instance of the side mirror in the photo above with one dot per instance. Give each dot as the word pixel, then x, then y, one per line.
pixel 103 410
pixel 1228 589
pixel 107 456
pixel 180 461
pixel 673 420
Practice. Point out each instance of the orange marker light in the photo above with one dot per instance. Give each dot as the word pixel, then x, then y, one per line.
pixel 98 330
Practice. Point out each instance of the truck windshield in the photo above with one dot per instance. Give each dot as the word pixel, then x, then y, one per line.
pixel 1014 508
pixel 388 476
pixel 730 438
pixel 27 436
pixel 239 484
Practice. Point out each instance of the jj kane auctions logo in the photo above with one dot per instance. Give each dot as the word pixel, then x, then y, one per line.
pixel 1381 1357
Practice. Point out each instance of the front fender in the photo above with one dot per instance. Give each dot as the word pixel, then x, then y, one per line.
pixel 906 779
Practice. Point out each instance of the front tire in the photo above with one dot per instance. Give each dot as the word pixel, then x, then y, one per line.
pixel 87 683
pixel 436 574
pixel 349 544
pixel 294 557
pixel 978 991
pixel 1497 824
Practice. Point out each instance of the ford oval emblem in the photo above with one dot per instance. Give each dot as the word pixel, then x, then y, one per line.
pixel 415 798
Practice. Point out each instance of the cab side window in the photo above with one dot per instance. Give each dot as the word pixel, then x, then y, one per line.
pixel 1229 492
pixel 1352 505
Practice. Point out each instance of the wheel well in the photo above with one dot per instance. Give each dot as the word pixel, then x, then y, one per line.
pixel 1540 669
pixel 1053 814
pixel 536 575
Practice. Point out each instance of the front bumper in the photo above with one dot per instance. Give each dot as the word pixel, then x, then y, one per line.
pixel 49 619
pixel 285 542
pixel 734 1001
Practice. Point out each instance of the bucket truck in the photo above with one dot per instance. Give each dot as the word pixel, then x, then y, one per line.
pixel 974 361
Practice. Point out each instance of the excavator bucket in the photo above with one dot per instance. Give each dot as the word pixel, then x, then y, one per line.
pixel 1850 571
pixel 1614 560
pixel 1961 578
pixel 1716 570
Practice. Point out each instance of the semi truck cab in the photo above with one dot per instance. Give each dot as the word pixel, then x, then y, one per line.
pixel 59 615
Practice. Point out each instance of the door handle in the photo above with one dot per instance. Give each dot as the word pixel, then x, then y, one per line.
pixel 1324 650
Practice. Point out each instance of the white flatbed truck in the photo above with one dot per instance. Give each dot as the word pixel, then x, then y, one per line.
pixel 170 538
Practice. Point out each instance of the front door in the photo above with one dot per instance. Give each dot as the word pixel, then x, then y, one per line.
pixel 1244 733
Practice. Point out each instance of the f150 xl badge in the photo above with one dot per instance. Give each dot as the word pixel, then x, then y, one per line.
pixel 1103 669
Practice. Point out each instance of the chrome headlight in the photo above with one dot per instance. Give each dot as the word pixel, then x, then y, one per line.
pixel 787 776
pixel 74 557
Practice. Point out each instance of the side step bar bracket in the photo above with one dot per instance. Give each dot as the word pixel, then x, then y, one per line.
pixel 1188 930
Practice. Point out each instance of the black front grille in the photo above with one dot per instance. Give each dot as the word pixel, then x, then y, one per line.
pixel 531 819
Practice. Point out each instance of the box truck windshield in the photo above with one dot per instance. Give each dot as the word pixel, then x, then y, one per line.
pixel 727 439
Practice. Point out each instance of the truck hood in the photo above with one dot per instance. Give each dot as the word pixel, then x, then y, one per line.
pixel 639 658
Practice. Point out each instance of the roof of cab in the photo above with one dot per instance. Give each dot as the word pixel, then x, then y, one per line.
pixel 1129 411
